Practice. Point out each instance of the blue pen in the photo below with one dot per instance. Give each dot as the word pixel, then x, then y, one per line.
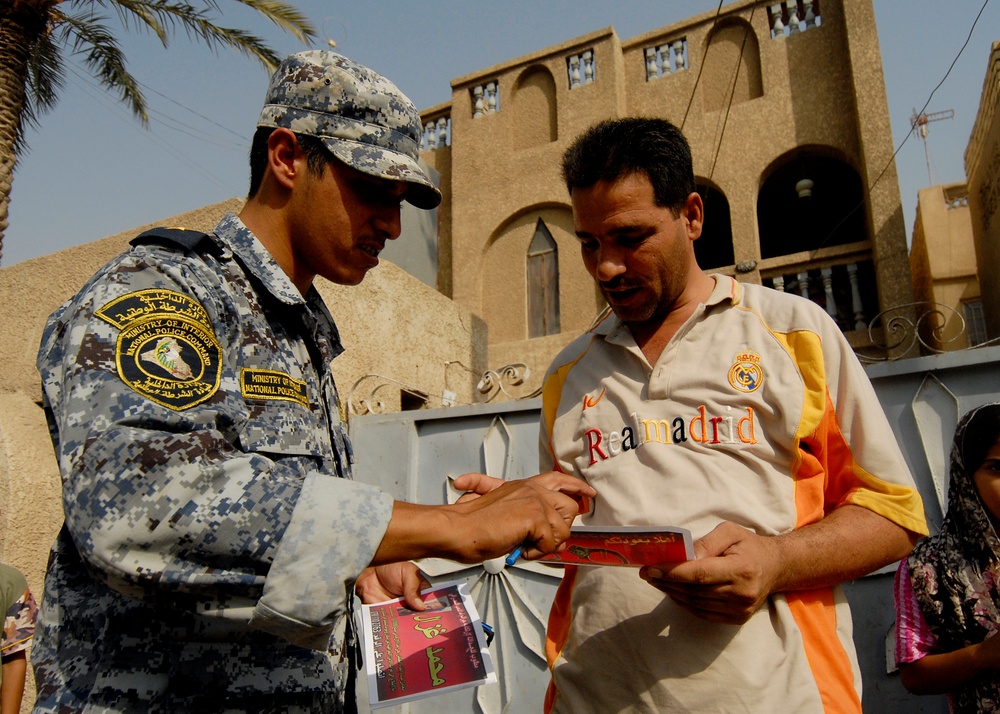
pixel 514 555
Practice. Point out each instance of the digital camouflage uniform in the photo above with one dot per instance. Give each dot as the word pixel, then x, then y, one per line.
pixel 208 544
pixel 212 536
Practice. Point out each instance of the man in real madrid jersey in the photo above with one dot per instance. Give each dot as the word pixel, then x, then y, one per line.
pixel 732 410
pixel 213 539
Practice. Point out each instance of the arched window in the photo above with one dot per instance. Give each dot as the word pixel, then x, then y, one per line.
pixel 810 201
pixel 543 283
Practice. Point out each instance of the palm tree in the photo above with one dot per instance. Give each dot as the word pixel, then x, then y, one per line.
pixel 37 35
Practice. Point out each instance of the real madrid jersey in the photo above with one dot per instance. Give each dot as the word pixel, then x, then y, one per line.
pixel 757 412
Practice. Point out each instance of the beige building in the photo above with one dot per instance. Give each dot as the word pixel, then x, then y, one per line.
pixel 943 269
pixel 786 113
pixel 982 169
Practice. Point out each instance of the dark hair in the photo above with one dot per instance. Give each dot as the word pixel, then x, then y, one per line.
pixel 981 433
pixel 617 147
pixel 317 155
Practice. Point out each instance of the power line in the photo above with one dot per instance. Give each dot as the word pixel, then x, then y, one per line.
pixel 89 86
pixel 892 159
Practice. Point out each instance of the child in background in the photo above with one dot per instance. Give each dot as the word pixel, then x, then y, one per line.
pixel 947 599
pixel 20 612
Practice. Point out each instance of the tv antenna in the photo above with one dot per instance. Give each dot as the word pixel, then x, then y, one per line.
pixel 918 125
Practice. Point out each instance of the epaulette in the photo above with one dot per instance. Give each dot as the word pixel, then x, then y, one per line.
pixel 177 238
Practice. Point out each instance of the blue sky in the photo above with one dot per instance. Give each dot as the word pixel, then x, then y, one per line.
pixel 93 171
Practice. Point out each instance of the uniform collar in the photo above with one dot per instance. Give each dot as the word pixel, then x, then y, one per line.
pixel 615 331
pixel 232 232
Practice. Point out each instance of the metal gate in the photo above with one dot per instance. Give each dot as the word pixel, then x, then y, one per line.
pixel 413 455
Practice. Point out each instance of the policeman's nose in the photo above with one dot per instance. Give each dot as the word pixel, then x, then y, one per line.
pixel 387 221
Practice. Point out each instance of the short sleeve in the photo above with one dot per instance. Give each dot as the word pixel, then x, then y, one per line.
pixel 19 625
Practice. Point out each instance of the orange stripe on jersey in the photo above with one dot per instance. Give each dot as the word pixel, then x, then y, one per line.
pixel 560 617
pixel 814 613
pixel 809 469
pixel 825 472
pixel 827 466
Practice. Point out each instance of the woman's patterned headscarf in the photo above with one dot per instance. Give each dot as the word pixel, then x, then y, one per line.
pixel 955 574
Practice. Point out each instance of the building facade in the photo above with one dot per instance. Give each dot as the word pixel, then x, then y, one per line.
pixel 785 109
pixel 982 169
pixel 944 271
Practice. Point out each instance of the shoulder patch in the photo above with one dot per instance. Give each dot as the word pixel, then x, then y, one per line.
pixel 174 237
pixel 167 350
pixel 144 303
pixel 270 385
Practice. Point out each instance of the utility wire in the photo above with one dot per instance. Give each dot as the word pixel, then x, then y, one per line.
pixel 701 65
pixel 92 89
pixel 732 92
pixel 892 159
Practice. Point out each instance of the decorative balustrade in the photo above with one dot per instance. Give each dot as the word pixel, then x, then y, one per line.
pixel 838 288
pixel 437 133
pixel 581 68
pixel 668 58
pixel 485 99
pixel 793 16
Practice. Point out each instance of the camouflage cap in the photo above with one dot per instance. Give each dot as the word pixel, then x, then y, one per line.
pixel 362 117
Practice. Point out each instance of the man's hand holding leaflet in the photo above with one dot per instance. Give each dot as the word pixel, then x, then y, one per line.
pixel 735 570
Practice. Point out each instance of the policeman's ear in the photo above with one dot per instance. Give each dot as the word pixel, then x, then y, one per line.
pixel 284 157
pixel 694 213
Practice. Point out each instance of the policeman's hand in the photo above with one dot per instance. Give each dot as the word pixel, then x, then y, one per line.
pixel 476 484
pixel 385 582
pixel 733 573
pixel 535 512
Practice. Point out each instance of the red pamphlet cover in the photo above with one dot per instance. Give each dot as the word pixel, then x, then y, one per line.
pixel 410 655
pixel 627 546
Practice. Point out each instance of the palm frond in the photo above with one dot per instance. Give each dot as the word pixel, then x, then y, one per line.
pixel 285 16
pixel 88 36
pixel 46 77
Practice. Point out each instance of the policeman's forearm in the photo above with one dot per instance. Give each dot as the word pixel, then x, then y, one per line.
pixel 416 531
pixel 523 511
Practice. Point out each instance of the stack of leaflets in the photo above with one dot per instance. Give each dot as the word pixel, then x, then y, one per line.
pixel 411 655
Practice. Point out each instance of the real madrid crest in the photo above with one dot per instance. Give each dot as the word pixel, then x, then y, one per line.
pixel 746 374
pixel 167 350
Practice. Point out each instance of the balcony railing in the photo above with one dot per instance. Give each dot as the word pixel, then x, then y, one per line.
pixel 793 16
pixel 437 132
pixel 846 290
pixel 581 68
pixel 668 58
pixel 485 99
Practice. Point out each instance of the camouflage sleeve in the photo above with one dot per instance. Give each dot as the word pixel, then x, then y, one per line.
pixel 174 491
pixel 19 625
